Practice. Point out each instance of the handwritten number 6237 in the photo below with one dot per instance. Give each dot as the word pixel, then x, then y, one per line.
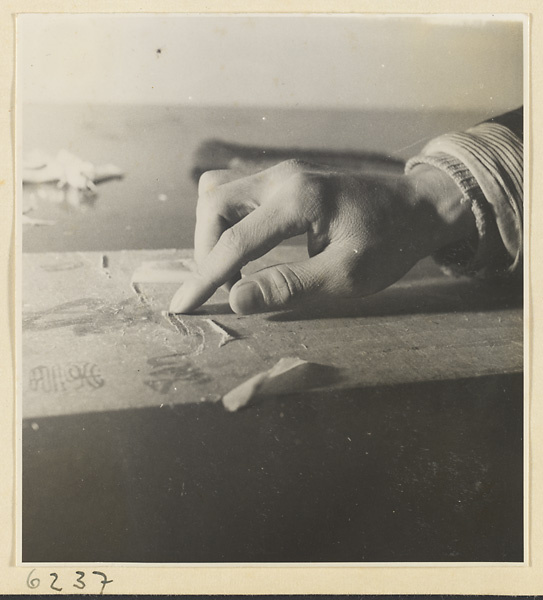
pixel 34 582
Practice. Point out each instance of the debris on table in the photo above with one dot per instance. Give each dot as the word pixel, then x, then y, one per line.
pixel 242 394
pixel 226 336
pixel 64 178
pixel 139 294
pixel 66 169
pixel 186 329
pixel 26 220
pixel 104 265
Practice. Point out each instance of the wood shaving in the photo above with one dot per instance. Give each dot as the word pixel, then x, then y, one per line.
pixel 226 336
pixel 242 394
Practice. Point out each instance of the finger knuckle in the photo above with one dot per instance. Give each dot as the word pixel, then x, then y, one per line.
pixel 293 165
pixel 209 180
pixel 233 241
pixel 307 190
pixel 286 284
pixel 210 201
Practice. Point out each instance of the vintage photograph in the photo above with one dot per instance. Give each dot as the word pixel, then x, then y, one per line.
pixel 271 286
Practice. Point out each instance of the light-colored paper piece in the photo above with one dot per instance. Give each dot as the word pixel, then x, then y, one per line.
pixel 225 335
pixel 242 394
pixel 66 169
pixel 167 271
pixel 26 220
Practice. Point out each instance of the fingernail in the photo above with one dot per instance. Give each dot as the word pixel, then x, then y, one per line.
pixel 190 296
pixel 177 303
pixel 247 298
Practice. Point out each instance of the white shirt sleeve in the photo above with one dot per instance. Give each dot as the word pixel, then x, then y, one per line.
pixel 486 162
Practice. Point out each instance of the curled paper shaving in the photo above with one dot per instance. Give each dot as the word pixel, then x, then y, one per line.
pixel 242 394
pixel 66 169
pixel 226 336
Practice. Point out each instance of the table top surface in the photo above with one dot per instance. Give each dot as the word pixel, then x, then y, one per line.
pixel 90 342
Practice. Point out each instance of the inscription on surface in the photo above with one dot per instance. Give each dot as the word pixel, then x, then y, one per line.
pixel 168 370
pixel 61 378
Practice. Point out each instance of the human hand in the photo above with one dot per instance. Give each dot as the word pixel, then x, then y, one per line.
pixel 363 232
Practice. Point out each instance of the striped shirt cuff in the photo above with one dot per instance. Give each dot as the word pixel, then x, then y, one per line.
pixel 486 162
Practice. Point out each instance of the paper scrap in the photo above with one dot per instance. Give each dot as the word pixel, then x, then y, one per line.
pixel 164 271
pixel 26 220
pixel 226 336
pixel 66 169
pixel 242 394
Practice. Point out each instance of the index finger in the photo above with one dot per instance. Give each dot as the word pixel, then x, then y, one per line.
pixel 250 238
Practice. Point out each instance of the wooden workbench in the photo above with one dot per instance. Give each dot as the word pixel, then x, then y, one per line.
pixel 92 343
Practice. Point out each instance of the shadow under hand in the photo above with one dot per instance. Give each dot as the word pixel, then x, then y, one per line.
pixel 436 295
pixel 214 309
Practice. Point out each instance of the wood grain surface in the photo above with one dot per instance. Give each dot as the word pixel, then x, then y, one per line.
pixel 92 343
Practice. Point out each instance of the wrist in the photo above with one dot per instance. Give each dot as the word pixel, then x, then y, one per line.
pixel 444 213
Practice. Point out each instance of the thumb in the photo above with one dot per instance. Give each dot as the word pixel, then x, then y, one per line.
pixel 282 286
